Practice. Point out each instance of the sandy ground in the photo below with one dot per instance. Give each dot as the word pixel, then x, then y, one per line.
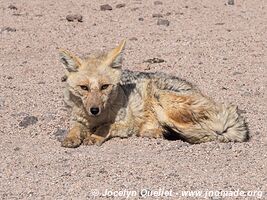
pixel 217 46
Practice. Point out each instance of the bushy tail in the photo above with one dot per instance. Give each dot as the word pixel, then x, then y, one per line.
pixel 229 125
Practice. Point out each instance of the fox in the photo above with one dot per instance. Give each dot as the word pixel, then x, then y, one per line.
pixel 108 101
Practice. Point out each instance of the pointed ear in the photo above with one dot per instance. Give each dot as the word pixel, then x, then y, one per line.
pixel 70 61
pixel 114 57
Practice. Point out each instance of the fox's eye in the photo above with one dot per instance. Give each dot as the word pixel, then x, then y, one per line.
pixel 84 87
pixel 105 86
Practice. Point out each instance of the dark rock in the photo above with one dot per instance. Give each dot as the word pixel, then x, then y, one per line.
pixel 64 78
pixel 134 9
pixel 9 77
pixel 236 73
pixel 154 60
pixel 12 7
pixel 163 22
pixel 27 121
pixel 168 13
pixel 8 29
pixel 16 149
pixel 60 134
pixel 17 14
pixel 2 102
pixel 158 3
pixel 120 5
pixel 157 15
pixel 76 17
pixel 133 39
pixel 220 23
pixel 141 19
pixel 105 7
pixel 231 2
pixel 41 83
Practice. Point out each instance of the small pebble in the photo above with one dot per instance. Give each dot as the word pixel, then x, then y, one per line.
pixel 12 7
pixel 158 3
pixel 163 22
pixel 105 7
pixel 8 29
pixel 133 39
pixel 157 15
pixel 154 60
pixel 76 17
pixel 60 134
pixel 64 78
pixel 120 5
pixel 27 121
pixel 231 2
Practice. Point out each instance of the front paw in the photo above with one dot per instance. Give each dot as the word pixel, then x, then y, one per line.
pixel 94 139
pixel 71 142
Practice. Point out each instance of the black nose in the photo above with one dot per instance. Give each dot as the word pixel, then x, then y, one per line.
pixel 94 111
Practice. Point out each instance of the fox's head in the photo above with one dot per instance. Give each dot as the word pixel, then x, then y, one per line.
pixel 95 79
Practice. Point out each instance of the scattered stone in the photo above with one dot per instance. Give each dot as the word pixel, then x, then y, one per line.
pixel 154 60
pixel 60 134
pixel 41 83
pixel 75 17
pixel 64 78
pixel 105 7
pixel 16 149
pixel 168 13
pixel 220 23
pixel 2 102
pixel 157 15
pixel 66 174
pixel 120 5
pixel 103 171
pixel 17 14
pixel 12 7
pixel 27 121
pixel 231 2
pixel 7 29
pixel 134 9
pixel 158 3
pixel 141 19
pixel 133 39
pixel 236 73
pixel 163 22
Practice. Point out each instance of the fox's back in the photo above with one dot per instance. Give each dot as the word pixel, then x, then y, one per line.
pixel 161 81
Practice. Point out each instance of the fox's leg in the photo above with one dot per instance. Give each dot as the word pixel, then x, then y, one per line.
pixel 151 129
pixel 75 136
pixel 98 136
pixel 119 129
